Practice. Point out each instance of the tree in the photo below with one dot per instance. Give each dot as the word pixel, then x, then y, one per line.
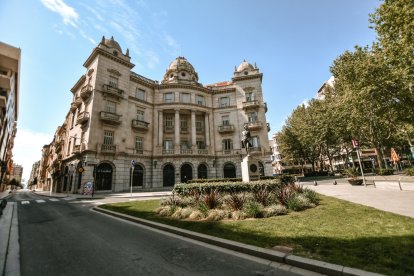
pixel 365 94
pixel 394 24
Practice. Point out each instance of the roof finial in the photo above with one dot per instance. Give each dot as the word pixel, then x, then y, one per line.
pixel 255 65
pixel 103 39
pixel 112 38
pixel 127 52
pixel 235 68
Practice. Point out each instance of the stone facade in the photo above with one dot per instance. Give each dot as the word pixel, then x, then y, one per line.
pixel 175 130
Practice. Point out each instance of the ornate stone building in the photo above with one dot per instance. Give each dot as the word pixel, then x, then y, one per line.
pixel 175 130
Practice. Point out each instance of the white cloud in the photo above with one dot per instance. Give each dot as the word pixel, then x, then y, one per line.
pixel 27 148
pixel 69 15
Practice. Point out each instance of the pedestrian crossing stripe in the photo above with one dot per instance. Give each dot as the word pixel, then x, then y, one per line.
pixel 40 201
pixel 54 199
pixel 67 198
pixel 25 202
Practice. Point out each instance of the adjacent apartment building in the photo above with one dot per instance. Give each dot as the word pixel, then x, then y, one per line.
pixel 124 129
pixel 9 95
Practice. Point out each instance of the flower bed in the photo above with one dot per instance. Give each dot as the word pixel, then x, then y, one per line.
pixel 236 200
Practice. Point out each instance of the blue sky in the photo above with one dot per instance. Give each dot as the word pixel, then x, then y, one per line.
pixel 293 43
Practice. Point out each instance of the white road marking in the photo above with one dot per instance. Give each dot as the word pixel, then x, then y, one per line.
pixel 67 198
pixel 54 199
pixel 40 201
pixel 25 202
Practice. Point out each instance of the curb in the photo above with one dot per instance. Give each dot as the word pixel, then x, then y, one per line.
pixel 264 253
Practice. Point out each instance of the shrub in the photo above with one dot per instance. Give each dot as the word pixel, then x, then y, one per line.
pixel 216 214
pixel 202 207
pixel 384 171
pixel 287 179
pixel 262 195
pixel 352 173
pixel 211 199
pixel 298 202
pixel 166 211
pixel 172 200
pixel 312 196
pixel 212 180
pixel 196 215
pixel 235 201
pixel 238 215
pixel 274 210
pixel 253 210
pixel 409 171
pixel 285 193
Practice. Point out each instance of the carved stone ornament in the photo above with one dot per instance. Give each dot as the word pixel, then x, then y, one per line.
pixel 90 72
pixel 115 72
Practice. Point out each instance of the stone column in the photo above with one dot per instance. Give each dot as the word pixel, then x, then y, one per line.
pixel 207 130
pixel 160 128
pixel 177 131
pixel 193 130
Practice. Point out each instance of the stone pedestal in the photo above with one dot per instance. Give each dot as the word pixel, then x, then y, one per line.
pixel 250 169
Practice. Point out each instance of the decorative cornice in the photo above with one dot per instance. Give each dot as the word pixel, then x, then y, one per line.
pixel 97 51
pixel 178 85
pixel 142 80
pixel 115 72
pixel 78 84
pixel 248 77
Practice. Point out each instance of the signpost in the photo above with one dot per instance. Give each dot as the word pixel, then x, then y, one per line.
pixel 355 144
pixel 132 173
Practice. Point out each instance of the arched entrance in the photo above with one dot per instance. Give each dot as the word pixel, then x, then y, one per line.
pixel 202 171
pixel 168 174
pixel 138 177
pixel 186 173
pixel 229 171
pixel 261 169
pixel 103 177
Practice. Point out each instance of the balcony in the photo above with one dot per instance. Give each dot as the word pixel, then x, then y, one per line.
pixel 73 106
pixel 265 107
pixel 255 149
pixel 58 146
pixel 113 91
pixel 268 127
pixel 78 101
pixel 226 129
pixel 251 104
pixel 227 151
pixel 110 118
pixel 167 151
pixel 186 151
pixel 83 118
pixel 138 151
pixel 3 98
pixel 202 151
pixel 107 148
pixel 86 92
pixel 139 125
pixel 254 125
pixel 76 148
pixel 168 129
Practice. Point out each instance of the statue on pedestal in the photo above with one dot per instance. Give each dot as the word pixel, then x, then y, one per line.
pixel 246 139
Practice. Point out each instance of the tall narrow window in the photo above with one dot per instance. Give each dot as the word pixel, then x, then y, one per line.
pixel 250 96
pixel 227 144
pixel 224 101
pixel 183 123
pixel 185 97
pixel 225 120
pixel 138 143
pixel 108 137
pixel 140 94
pixel 140 115
pixel 113 81
pixel 252 116
pixel 200 144
pixel 199 100
pixel 168 97
pixel 169 125
pixel 168 145
pixel 255 141
pixel 199 123
pixel 184 144
pixel 110 106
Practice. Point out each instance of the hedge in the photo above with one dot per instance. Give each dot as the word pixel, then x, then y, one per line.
pixel 210 180
pixel 384 171
pixel 409 171
pixel 226 187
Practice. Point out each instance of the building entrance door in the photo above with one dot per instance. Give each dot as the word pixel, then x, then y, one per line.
pixel 229 171
pixel 186 173
pixel 168 176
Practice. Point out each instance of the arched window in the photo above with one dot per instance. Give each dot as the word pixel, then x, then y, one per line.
pixel 229 171
pixel 103 179
pixel 186 173
pixel 168 174
pixel 202 171
pixel 261 169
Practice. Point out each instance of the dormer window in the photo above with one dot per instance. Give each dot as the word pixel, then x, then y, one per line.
pixel 115 53
pixel 246 73
pixel 182 74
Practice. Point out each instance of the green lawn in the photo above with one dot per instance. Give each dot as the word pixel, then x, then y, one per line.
pixel 336 231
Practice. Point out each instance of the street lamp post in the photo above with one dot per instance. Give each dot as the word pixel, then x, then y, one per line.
pixel 132 173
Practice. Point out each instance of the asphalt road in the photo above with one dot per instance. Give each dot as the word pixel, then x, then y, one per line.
pixel 64 237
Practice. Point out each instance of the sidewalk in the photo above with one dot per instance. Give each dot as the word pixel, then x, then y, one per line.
pixel 106 195
pixel 384 197
pixel 5 194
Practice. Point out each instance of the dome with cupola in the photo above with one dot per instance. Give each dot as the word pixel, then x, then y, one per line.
pixel 246 69
pixel 180 71
pixel 244 66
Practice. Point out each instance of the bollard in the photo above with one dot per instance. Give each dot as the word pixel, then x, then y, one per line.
pixel 335 182
pixel 315 183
